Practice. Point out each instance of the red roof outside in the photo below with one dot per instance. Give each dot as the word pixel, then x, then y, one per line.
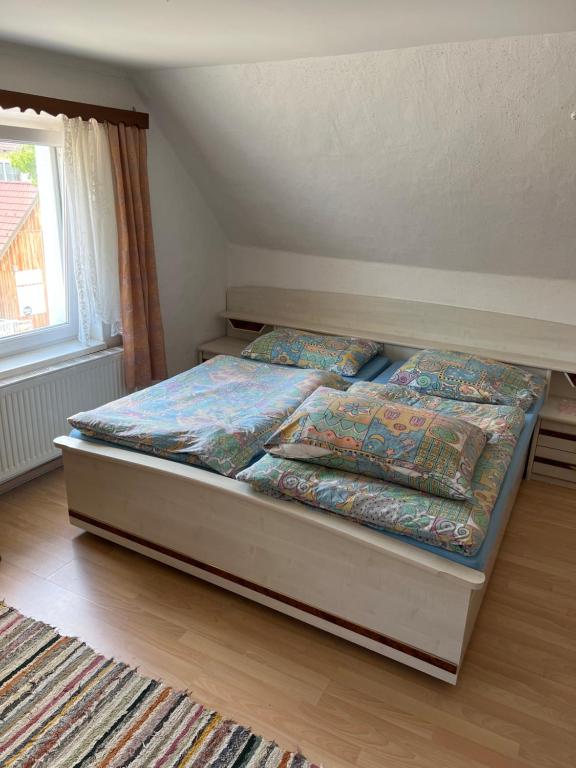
pixel 17 199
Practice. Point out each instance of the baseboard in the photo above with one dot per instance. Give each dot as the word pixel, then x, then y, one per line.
pixel 26 477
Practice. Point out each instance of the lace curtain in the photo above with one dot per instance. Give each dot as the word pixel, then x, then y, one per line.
pixel 90 230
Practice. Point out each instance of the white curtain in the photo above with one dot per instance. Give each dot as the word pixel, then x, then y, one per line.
pixel 90 230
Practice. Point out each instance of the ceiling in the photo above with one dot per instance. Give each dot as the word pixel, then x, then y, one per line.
pixel 154 34
pixel 458 156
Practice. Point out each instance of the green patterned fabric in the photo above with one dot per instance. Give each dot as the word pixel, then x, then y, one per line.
pixel 457 526
pixel 423 449
pixel 460 376
pixel 286 346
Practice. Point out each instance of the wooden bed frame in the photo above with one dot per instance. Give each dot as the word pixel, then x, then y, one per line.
pixel 374 590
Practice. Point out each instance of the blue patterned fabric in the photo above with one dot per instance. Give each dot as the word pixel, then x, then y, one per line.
pixel 286 346
pixel 459 376
pixel 455 526
pixel 217 415
pixel 390 440
pixel 488 418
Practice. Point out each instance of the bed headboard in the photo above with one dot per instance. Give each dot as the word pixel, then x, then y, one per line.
pixel 417 324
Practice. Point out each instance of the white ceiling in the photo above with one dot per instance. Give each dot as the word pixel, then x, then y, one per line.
pixel 171 33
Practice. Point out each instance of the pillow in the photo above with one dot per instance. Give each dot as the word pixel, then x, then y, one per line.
pixel 410 446
pixel 286 346
pixel 460 376
pixel 498 422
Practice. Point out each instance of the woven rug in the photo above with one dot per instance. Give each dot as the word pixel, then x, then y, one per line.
pixel 62 705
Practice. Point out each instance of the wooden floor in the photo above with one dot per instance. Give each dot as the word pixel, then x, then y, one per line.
pixel 515 704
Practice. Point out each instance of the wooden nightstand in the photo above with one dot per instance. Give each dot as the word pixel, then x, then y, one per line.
pixel 553 454
pixel 225 345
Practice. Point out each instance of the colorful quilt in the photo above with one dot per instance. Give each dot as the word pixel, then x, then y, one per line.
pixel 457 526
pixel 423 449
pixel 217 415
pixel 339 354
pixel 460 376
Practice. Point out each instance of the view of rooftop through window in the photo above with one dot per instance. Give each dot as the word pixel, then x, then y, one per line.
pixel 32 275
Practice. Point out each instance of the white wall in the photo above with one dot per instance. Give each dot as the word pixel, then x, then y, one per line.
pixel 64 77
pixel 191 256
pixel 458 156
pixel 190 246
pixel 254 144
pixel 542 298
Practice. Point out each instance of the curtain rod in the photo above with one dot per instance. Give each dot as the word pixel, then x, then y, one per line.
pixel 10 99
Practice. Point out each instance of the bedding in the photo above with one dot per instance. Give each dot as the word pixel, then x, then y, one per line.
pixel 460 376
pixel 454 526
pixel 287 346
pixel 370 370
pixel 217 415
pixel 390 440
pixel 481 414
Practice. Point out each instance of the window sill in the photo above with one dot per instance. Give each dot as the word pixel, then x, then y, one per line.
pixel 15 365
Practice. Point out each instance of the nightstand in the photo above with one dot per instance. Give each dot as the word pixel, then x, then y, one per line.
pixel 225 345
pixel 553 455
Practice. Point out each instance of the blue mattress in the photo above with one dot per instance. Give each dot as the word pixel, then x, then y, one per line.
pixel 383 377
pixel 371 370
pixel 497 518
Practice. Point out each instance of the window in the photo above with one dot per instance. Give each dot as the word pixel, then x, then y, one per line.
pixel 37 292
pixel 7 172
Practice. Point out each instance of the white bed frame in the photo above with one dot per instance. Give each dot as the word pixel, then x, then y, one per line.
pixel 374 590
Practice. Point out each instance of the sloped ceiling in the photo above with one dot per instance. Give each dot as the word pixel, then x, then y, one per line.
pixel 167 33
pixel 458 156
pixel 453 155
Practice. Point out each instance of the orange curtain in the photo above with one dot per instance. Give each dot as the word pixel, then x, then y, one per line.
pixel 142 332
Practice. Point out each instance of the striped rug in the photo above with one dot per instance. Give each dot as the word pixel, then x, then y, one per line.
pixel 64 706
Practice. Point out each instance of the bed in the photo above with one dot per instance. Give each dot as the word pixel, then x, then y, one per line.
pixel 404 600
pixel 217 415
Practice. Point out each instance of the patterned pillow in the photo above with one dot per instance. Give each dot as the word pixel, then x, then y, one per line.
pixel 460 376
pixel 499 422
pixel 429 451
pixel 286 346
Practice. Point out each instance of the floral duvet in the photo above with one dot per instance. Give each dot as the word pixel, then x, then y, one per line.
pixel 217 415
pixel 456 526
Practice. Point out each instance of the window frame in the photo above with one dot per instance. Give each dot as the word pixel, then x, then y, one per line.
pixel 67 331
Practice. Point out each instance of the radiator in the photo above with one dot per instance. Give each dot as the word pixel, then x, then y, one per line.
pixel 34 407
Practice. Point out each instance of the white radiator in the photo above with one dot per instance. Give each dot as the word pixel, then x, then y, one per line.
pixel 34 407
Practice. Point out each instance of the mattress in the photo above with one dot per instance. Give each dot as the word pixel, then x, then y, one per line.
pixel 217 415
pixel 371 370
